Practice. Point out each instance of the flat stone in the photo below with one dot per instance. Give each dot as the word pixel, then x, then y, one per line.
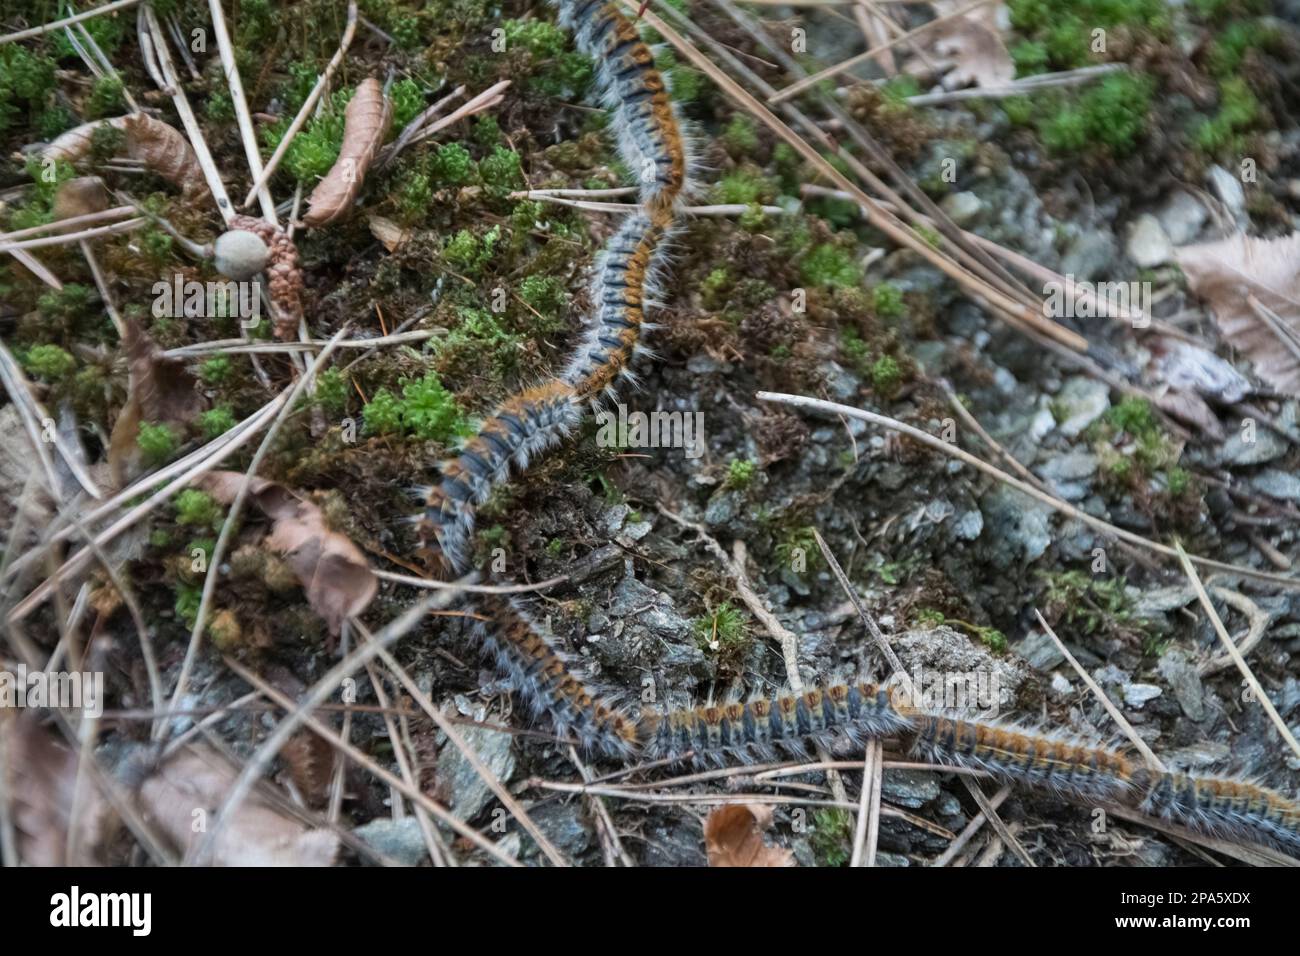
pixel 1177 668
pixel 1277 484
pixel 963 207
pixel 1266 446
pixel 469 793
pixel 1080 402
pixel 1040 651
pixel 1229 190
pixel 1147 244
pixel 1090 256
pixel 1136 695
pixel 400 840
pixel 1182 217
pixel 909 788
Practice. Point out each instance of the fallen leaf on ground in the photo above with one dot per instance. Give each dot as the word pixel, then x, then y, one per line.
pixel 733 836
pixel 971 47
pixel 39 779
pixel 160 390
pixel 191 787
pixel 333 571
pixel 1227 273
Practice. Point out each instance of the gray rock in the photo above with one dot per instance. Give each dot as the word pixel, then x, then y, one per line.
pixel 1277 484
pixel 563 825
pixel 1072 466
pixel 1228 188
pixel 963 207
pixel 969 526
pixel 469 793
pixel 1266 447
pixel 1177 668
pixel 399 839
pixel 722 508
pixel 1161 601
pixel 1091 256
pixel 1147 244
pixel 1019 524
pixel 1040 651
pixel 1182 217
pixel 909 788
pixel 1080 402
pixel 1136 695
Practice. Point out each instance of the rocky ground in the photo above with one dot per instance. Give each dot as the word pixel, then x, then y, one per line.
pixel 803 298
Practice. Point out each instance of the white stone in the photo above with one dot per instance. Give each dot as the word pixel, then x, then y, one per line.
pixel 240 254
pixel 1148 246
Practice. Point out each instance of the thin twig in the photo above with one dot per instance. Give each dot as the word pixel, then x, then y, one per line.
pixel 66 21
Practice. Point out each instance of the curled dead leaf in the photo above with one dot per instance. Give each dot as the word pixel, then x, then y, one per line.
pixel 365 124
pixel 970 47
pixel 733 836
pixel 160 390
pixel 388 232
pixel 197 780
pixel 1253 287
pixel 332 570
pixel 156 144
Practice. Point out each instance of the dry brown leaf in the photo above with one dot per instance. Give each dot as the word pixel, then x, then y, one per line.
pixel 156 144
pixel 186 792
pixel 40 780
pixel 365 124
pixel 388 232
pixel 79 197
pixel 1226 272
pixel 160 391
pixel 333 571
pixel 733 836
pixel 971 47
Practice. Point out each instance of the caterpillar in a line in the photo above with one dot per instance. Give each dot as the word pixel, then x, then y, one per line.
pixel 649 139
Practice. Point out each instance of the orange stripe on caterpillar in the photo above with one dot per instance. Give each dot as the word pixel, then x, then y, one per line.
pixel 1041 760
pixel 1221 807
pixel 542 676
pixel 765 727
pixel 522 427
pixel 642 113
pixel 625 273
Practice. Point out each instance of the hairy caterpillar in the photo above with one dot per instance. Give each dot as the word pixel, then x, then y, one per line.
pixel 649 139
pixel 365 124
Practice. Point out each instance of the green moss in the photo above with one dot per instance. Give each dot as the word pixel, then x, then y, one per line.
pixel 501 171
pixel 157 442
pixel 740 473
pixel 554 69
pixel 413 198
pixel 1134 416
pixel 197 509
pixel 215 371
pixel 188 599
pixel 798 541
pixel 452 165
pixel 546 294
pixel 832 836
pixel 49 362
pixel 426 410
pixel 1110 115
pixel 105 98
pixel 26 81
pixel 331 391
pixel 887 301
pixel 1239 110
pixel 216 421
pixel 886 376
pixel 407 100
pixel 828 265
pixel 727 626
pixel 740 137
pixel 468 252
pixel 315 149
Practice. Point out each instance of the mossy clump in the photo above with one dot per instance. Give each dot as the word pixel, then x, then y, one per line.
pixel 157 442
pixel 426 410
pixel 886 376
pixel 49 362
pixel 887 301
pixel 832 836
pixel 216 421
pixel 214 371
pixel 725 629
pixel 1239 110
pixel 331 391
pixel 829 265
pixel 106 98
pixel 555 69
pixel 1110 116
pixel 1062 37
pixel 26 81
pixel 197 509
pixel 501 171
pixel 740 473
pixel 468 253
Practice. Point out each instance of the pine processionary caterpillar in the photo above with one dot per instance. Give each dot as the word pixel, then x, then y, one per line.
pixel 650 140
pixel 520 429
